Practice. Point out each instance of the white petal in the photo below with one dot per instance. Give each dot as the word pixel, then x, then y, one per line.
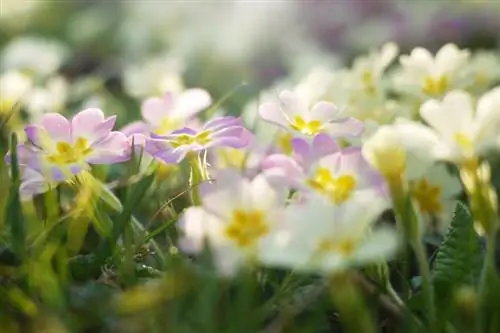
pixel 267 196
pixel 382 244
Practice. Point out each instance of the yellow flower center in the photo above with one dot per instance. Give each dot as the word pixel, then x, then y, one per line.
pixel 427 197
pixel 368 81
pixel 344 246
pixel 201 138
pixel 338 189
pixel 311 127
pixel 68 154
pixel 391 162
pixel 246 227
pixel 232 158
pixel 463 141
pixel 168 125
pixel 435 86
pixel 284 142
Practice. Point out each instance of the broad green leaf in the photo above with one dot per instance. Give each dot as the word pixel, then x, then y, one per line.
pixel 459 259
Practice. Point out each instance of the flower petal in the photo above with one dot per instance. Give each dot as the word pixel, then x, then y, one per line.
pixel 350 127
pixel 190 102
pixel 154 110
pixel 324 111
pixel 272 112
pixel 113 149
pixel 91 125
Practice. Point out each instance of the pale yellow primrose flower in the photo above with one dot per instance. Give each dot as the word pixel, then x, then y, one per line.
pixel 237 218
pixel 435 194
pixel 458 130
pixel 325 238
pixel 424 75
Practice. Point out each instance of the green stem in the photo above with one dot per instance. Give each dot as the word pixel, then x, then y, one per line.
pixel 427 288
pixel 488 279
pixel 195 178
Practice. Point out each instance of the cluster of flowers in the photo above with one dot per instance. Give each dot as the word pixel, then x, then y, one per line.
pixel 311 199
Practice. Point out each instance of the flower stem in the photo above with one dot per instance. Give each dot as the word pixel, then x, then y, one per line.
pixel 196 176
pixel 427 288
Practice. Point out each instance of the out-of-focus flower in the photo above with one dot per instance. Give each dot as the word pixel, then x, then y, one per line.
pixel 36 55
pixel 61 148
pixel 327 238
pixel 14 87
pixel 292 114
pixel 483 71
pixel 49 98
pixel 456 132
pixel 237 219
pixel 336 175
pixel 153 77
pixel 435 195
pixel 394 152
pixel 218 132
pixel 171 112
pixel 424 75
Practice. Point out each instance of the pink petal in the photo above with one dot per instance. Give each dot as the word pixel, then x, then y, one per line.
pixel 219 123
pixel 324 111
pixel 282 166
pixel 154 110
pixel 91 124
pixel 39 137
pixel 350 127
pixel 271 112
pixel 191 102
pixel 136 127
pixel 57 126
pixel 323 145
pixel 113 149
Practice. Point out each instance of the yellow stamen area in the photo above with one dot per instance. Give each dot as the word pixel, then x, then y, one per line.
pixel 345 246
pixel 427 197
pixel 435 86
pixel 246 227
pixel 368 81
pixel 68 154
pixel 201 138
pixel 337 189
pixel 232 158
pixel 463 141
pixel 311 127
pixel 168 125
pixel 284 142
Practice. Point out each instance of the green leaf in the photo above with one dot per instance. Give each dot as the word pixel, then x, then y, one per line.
pixel 459 259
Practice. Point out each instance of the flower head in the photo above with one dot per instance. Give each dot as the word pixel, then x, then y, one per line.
pixel 170 112
pixel 237 218
pixel 293 114
pixel 327 238
pixel 424 75
pixel 458 130
pixel 218 132
pixel 334 174
pixel 62 148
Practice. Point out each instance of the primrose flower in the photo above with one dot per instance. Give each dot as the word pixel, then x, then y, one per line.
pixel 170 112
pixel 237 218
pixel 63 148
pixel 293 114
pixel 435 194
pixel 14 87
pixel 456 131
pixel 218 132
pixel 427 76
pixel 325 238
pixel 321 168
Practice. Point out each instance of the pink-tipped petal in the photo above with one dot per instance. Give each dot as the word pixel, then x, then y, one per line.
pixel 191 102
pixel 91 125
pixel 136 127
pixel 154 110
pixel 219 123
pixel 350 127
pixel 110 150
pixel 271 112
pixel 282 166
pixel 323 144
pixel 324 111
pixel 57 126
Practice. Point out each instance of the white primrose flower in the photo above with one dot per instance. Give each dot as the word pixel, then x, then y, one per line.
pixel 14 87
pixel 237 219
pixel 325 238
pixel 483 71
pixel 458 129
pixel 424 75
pixel 37 55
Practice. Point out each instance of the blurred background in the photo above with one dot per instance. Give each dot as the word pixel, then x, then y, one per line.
pixel 138 48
